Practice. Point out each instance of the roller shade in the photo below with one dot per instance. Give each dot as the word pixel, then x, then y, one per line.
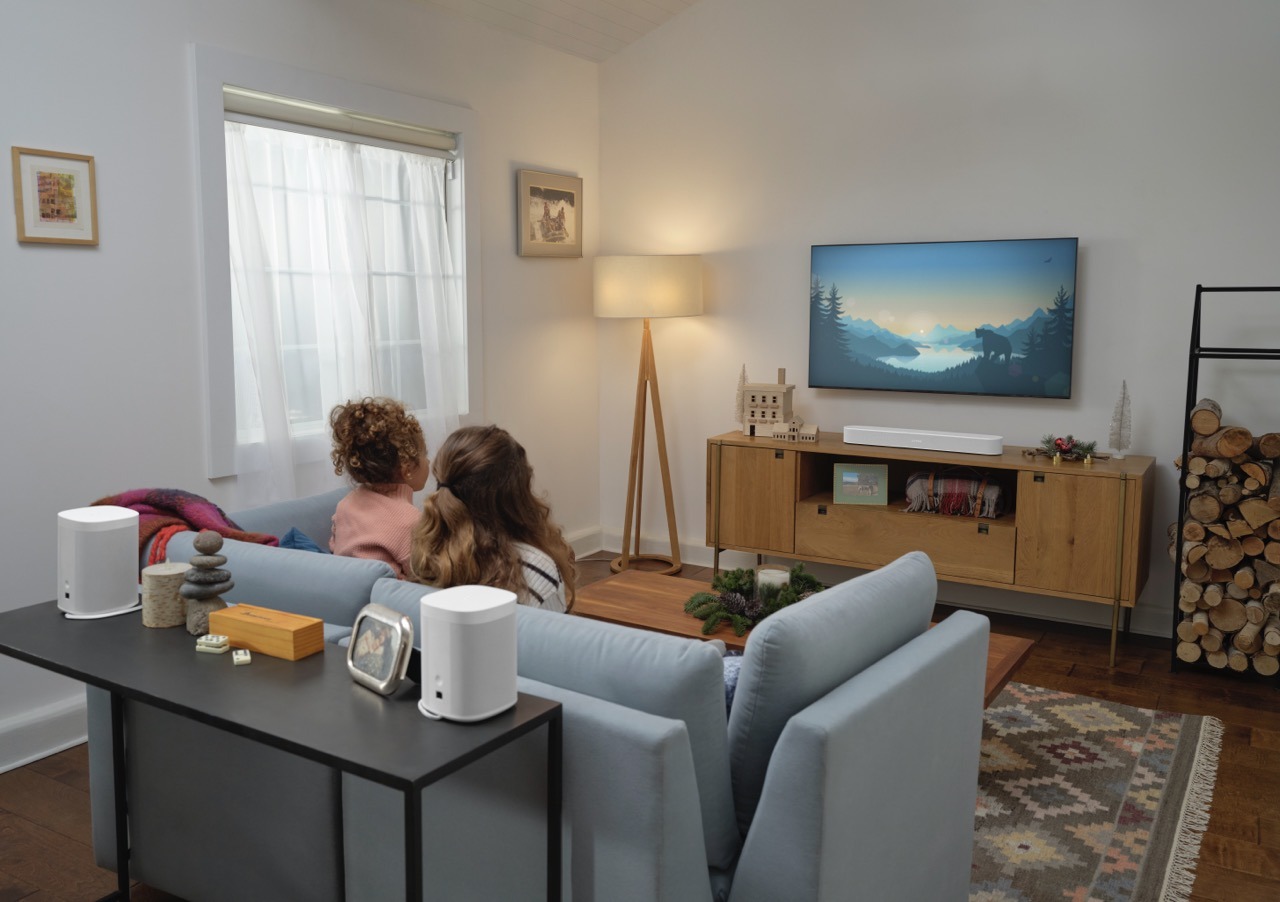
pixel 314 115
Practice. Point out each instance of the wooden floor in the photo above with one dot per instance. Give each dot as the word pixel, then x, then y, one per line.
pixel 45 853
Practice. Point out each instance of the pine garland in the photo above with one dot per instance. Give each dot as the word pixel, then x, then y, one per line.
pixel 733 599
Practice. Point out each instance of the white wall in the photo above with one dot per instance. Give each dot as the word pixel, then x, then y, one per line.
pixel 100 347
pixel 748 130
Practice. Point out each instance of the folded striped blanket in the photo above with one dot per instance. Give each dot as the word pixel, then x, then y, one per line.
pixel 962 496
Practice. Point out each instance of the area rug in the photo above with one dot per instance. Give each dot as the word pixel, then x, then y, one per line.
pixel 1081 799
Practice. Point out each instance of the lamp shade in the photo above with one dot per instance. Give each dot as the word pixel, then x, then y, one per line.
pixel 648 286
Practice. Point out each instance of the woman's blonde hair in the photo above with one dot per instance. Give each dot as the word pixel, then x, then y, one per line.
pixel 483 504
pixel 375 440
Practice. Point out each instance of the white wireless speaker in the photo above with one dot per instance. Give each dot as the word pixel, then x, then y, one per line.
pixel 97 561
pixel 468 652
pixel 924 439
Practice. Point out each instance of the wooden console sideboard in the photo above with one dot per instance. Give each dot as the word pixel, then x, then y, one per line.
pixel 1069 530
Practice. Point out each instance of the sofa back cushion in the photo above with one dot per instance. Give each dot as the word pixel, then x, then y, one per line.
pixel 327 586
pixel 664 675
pixel 798 655
pixel 312 515
pixel 405 597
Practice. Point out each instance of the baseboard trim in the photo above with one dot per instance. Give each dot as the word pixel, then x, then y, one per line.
pixel 42 732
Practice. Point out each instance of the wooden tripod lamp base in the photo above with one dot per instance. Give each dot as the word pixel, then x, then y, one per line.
pixel 647 287
pixel 646 384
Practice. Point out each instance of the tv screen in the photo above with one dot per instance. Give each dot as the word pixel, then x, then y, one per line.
pixel 956 317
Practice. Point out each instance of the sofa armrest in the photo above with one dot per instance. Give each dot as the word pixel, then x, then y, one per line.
pixel 874 784
pixel 632 825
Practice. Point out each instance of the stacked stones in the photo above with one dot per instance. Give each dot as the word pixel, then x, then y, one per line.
pixel 205 582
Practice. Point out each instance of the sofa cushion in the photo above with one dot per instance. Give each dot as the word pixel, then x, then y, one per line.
pixel 330 587
pixel 668 676
pixel 403 596
pixel 300 541
pixel 798 655
pixel 312 515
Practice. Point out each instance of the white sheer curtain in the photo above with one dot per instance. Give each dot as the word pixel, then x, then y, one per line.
pixel 344 284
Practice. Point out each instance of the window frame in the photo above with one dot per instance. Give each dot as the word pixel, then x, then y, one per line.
pixel 212 69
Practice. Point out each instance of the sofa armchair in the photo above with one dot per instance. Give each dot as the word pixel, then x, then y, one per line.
pixel 849 758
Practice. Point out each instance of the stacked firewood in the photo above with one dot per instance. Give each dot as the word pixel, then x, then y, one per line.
pixel 1229 547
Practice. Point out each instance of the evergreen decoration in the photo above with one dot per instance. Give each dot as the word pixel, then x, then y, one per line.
pixel 1121 425
pixel 1068 447
pixel 732 599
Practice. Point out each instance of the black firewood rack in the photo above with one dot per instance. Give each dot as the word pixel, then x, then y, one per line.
pixel 1197 353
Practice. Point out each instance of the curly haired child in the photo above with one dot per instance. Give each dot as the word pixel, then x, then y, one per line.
pixel 380 446
pixel 484 525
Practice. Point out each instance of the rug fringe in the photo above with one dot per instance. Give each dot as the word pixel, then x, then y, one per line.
pixel 1180 876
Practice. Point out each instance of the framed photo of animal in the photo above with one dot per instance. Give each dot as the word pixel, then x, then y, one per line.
pixel 548 214
pixel 953 317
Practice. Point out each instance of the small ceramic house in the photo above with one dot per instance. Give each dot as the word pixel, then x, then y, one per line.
pixel 795 430
pixel 766 405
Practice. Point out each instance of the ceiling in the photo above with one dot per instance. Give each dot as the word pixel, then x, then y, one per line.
pixel 593 29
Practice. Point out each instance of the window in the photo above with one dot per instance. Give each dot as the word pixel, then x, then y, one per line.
pixel 355 285
pixel 337 237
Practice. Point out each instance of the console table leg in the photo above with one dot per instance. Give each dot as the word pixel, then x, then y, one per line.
pixel 413 844
pixel 1115 622
pixel 555 799
pixel 118 774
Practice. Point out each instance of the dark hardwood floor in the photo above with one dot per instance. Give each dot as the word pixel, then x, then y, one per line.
pixel 45 853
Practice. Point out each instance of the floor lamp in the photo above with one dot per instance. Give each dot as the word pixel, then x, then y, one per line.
pixel 647 287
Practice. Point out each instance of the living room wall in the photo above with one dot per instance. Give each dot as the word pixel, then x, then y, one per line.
pixel 100 348
pixel 749 130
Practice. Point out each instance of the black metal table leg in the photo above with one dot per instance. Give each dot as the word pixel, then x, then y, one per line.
pixel 118 776
pixel 555 801
pixel 413 845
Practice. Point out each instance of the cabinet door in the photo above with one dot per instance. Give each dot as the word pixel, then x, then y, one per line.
pixel 1067 533
pixel 757 498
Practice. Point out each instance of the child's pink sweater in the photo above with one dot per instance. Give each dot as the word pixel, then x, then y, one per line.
pixel 376 521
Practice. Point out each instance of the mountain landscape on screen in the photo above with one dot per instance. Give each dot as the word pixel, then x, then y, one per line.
pixel 961 317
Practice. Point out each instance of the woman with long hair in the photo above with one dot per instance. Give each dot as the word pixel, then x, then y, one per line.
pixel 483 525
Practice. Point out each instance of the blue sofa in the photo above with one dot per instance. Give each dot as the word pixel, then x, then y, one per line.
pixel 847 768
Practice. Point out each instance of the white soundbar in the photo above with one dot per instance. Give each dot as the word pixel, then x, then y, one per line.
pixel 924 439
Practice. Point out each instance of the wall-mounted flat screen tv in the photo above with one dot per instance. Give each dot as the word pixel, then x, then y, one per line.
pixel 956 317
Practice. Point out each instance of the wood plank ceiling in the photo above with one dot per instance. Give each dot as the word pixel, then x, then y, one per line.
pixel 594 29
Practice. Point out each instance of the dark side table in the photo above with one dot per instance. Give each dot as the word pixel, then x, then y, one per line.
pixel 310 708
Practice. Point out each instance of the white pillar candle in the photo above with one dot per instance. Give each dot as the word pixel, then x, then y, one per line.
pixel 772 577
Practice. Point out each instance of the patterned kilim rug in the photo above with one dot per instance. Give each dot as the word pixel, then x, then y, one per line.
pixel 1081 799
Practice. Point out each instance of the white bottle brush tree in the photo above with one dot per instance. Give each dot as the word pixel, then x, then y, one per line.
pixel 1121 425
pixel 738 402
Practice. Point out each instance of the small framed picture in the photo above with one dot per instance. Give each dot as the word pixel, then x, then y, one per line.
pixel 54 197
pixel 378 654
pixel 548 214
pixel 861 484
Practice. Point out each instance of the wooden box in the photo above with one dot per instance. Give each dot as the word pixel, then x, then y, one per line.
pixel 271 632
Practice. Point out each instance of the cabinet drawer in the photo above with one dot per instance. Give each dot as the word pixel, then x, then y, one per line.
pixel 872 537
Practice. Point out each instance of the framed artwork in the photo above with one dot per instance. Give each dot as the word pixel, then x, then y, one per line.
pixel 548 214
pixel 54 197
pixel 861 484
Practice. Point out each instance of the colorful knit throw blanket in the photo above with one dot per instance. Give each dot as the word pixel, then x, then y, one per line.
pixel 964 496
pixel 163 512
